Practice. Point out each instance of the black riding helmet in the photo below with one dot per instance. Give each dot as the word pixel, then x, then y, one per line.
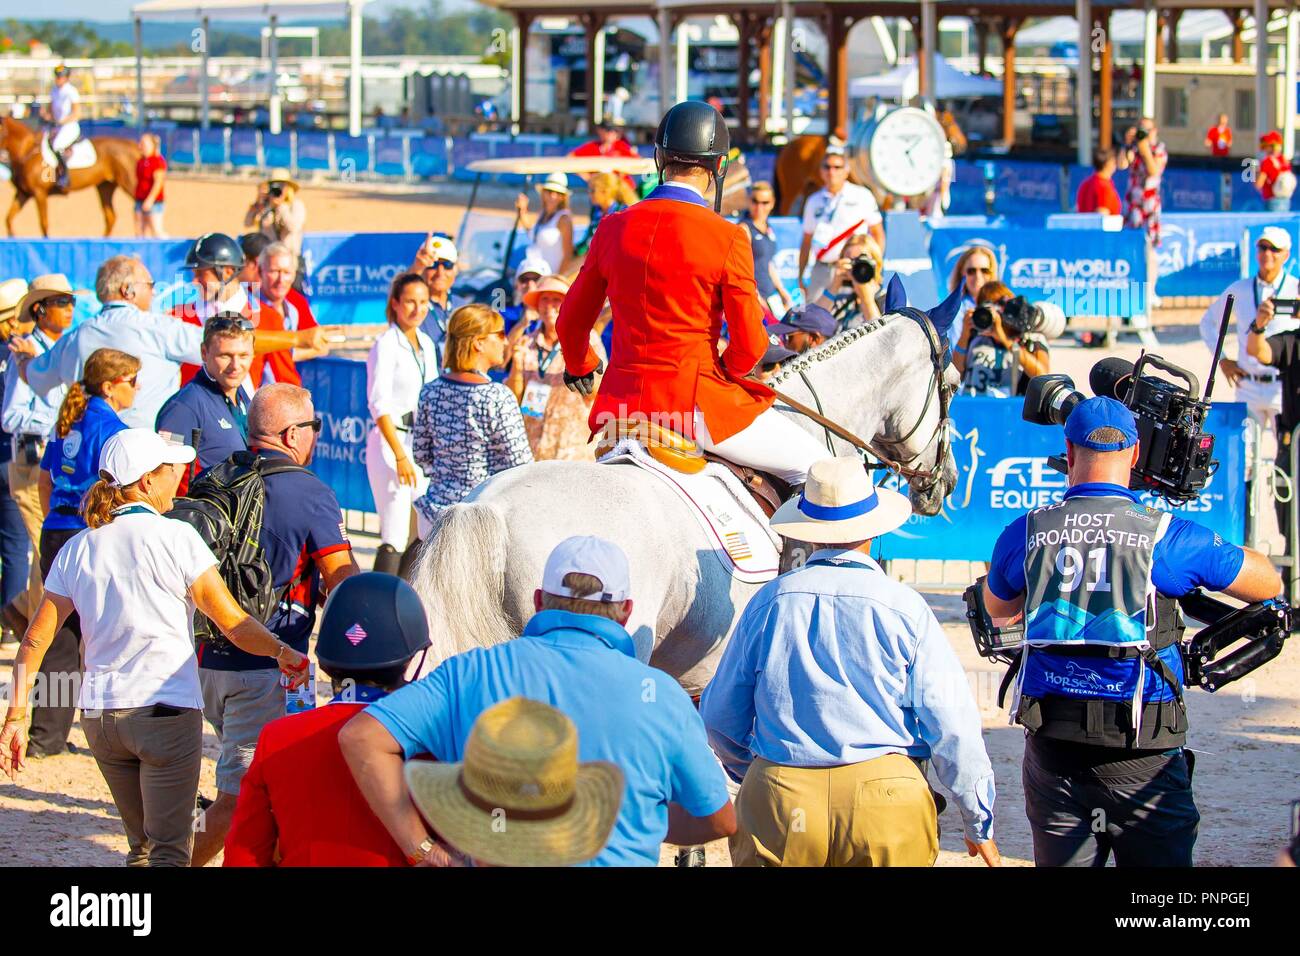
pixel 696 134
pixel 373 623
pixel 215 250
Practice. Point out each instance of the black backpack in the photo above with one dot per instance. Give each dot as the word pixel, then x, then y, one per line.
pixel 225 505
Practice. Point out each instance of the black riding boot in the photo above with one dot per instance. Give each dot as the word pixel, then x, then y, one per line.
pixel 61 174
pixel 409 557
pixel 388 560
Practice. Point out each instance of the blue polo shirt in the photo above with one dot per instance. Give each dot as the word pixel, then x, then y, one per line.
pixel 73 463
pixel 626 712
pixel 202 404
pixel 1187 557
pixel 435 323
pixel 301 524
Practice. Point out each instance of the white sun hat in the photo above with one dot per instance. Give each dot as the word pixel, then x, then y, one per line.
pixel 840 503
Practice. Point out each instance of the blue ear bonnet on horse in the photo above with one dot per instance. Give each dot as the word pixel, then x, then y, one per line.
pixel 895 294
pixel 945 313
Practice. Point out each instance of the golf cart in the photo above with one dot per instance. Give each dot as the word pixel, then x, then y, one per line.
pixel 490 244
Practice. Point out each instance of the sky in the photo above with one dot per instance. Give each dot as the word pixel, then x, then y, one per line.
pixel 120 10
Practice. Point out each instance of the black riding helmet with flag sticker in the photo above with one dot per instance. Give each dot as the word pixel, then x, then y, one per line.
pixel 373 624
pixel 696 134
pixel 215 250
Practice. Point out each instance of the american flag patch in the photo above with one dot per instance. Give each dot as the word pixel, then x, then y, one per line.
pixel 356 634
pixel 737 546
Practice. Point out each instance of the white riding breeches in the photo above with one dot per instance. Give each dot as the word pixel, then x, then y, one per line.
pixel 772 442
pixel 394 502
pixel 65 136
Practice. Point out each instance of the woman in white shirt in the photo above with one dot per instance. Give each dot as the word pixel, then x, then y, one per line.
pixel 400 362
pixel 135 578
pixel 551 237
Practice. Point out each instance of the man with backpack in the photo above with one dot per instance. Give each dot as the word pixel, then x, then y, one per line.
pixel 268 496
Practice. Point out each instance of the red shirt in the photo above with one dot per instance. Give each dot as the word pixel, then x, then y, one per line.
pixel 298 803
pixel 1097 194
pixel 144 173
pixel 620 147
pixel 1270 167
pixel 1220 140
pixel 280 363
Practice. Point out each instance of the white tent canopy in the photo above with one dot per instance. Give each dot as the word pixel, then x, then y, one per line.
pixel 269 10
pixel 903 82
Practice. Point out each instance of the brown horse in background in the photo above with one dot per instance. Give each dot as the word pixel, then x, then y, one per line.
pixel 797 170
pixel 114 169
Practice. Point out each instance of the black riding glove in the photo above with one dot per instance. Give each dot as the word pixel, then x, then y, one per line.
pixel 584 385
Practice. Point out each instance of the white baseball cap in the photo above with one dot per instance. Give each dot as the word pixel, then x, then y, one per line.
pixel 1277 237
pixel 443 248
pixel 588 555
pixel 134 452
pixel 534 264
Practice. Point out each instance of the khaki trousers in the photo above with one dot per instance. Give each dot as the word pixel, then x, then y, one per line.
pixel 24 491
pixel 876 813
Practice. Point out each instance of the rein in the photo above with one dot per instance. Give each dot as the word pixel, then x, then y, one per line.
pixel 938 355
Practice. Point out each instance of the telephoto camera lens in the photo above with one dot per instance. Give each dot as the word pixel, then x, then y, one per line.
pixel 864 269
pixel 982 319
pixel 1020 316
pixel 1050 399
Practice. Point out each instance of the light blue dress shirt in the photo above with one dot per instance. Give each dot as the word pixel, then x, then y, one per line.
pixel 835 663
pixel 160 342
pixel 26 411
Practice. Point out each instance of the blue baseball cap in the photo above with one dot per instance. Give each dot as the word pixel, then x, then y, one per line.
pixel 1094 413
pixel 776 352
pixel 806 318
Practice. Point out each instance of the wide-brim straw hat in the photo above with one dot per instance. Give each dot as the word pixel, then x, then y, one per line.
pixel 12 292
pixel 42 288
pixel 520 798
pixel 840 503
pixel 282 175
pixel 555 285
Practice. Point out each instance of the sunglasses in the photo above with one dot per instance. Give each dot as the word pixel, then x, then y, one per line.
pixel 976 270
pixel 229 323
pixel 61 301
pixel 132 380
pixel 762 202
pixel 446 264
pixel 833 166
pixel 314 425
pixel 1266 247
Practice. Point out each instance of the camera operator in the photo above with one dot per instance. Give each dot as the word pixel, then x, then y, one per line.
pixel 1086 573
pixel 280 215
pixel 996 359
pixel 854 294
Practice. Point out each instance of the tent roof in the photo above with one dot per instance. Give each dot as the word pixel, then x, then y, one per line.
pixel 229 9
pixel 1125 27
pixel 902 82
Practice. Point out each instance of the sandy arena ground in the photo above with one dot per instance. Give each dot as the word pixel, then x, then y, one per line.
pixel 61 813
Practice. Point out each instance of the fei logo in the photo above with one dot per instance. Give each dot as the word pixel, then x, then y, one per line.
pixel 1024 483
pixel 74 909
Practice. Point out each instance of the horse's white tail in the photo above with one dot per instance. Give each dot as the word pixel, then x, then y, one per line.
pixel 460 577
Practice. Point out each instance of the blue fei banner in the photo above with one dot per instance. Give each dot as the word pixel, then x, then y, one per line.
pixel 1003 472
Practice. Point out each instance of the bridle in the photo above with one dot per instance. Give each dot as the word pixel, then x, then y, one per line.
pixel 937 389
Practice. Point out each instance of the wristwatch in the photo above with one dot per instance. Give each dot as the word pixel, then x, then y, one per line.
pixel 421 851
pixel 1257 329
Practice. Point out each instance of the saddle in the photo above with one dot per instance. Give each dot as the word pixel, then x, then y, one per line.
pixel 674 450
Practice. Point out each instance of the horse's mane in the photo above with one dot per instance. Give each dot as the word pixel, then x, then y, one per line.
pixel 836 343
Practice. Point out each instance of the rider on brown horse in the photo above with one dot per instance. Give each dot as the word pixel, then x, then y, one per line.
pixel 63 115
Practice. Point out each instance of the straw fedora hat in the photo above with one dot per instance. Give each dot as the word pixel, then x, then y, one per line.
pixel 11 298
pixel 42 288
pixel 282 175
pixel 556 285
pixel 840 503
pixel 555 183
pixel 520 798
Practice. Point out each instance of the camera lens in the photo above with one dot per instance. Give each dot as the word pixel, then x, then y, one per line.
pixel 864 269
pixel 982 319
pixel 1050 399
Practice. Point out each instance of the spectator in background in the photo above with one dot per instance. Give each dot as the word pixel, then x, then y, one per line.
pixel 830 216
pixel 551 233
pixel 577 654
pixel 522 757
pixel 435 263
pixel 278 306
pixel 771 290
pixel 555 418
pixel 974 267
pixel 609 141
pixel 125 288
pixel 1274 180
pixel 29 417
pixel 850 300
pixel 400 362
pixel 520 315
pixel 213 402
pixel 1097 193
pixel 467 427
pixel 150 174
pixel 307 549
pixel 805 327
pixel 997 360
pixel 608 193
pixel 88 418
pixel 280 215
pixel 1219 137
pixel 280 819
pixel 1145 158
pixel 15 568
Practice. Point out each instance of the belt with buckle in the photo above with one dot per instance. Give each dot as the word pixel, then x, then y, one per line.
pixel 1266 379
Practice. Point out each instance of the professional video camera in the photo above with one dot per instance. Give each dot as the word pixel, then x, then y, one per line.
pixel 1264 626
pixel 1019 315
pixel 1176 456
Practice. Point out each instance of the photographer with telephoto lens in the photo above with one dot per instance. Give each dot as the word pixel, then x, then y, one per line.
pixel 1003 344
pixel 856 290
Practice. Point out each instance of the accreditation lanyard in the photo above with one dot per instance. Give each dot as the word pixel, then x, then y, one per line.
pixel 544 359
pixel 1275 289
pixel 417 353
pixel 133 510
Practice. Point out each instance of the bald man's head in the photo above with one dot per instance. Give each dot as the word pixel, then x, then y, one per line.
pixel 276 407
